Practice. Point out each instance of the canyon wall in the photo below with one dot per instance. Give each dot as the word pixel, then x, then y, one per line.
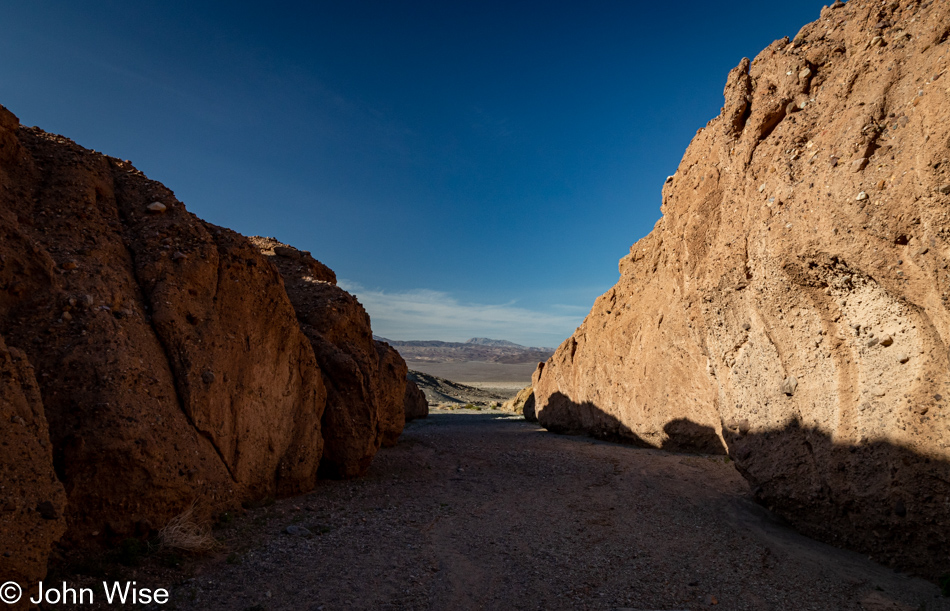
pixel 365 378
pixel 149 359
pixel 792 305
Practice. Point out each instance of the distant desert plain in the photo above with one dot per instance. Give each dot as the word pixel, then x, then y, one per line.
pixel 480 371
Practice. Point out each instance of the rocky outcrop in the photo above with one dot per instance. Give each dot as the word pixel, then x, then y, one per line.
pixel 521 403
pixel 791 306
pixel 168 356
pixel 32 500
pixel 414 402
pixel 391 393
pixel 365 379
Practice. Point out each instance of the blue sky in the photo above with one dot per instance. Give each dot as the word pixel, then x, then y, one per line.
pixel 467 168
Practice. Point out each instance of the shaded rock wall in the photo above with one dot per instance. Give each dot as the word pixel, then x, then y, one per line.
pixel 32 500
pixel 365 379
pixel 391 394
pixel 169 361
pixel 415 404
pixel 149 359
pixel 792 303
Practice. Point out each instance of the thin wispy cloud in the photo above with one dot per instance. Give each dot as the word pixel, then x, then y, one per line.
pixel 427 314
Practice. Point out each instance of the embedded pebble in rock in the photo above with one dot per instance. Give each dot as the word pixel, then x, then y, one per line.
pixel 858 164
pixel 789 385
pixel 178 256
pixel 902 358
pixel 157 207
pixel 861 196
pixel 945 189
pixel 886 340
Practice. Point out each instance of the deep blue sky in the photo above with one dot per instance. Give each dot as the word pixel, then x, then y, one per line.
pixel 467 168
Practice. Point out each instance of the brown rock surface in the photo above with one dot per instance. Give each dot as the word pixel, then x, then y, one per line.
pixel 804 224
pixel 32 500
pixel 391 393
pixel 168 356
pixel 414 402
pixel 365 379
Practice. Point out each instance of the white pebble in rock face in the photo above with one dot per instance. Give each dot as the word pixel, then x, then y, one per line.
pixel 861 196
pixel 156 207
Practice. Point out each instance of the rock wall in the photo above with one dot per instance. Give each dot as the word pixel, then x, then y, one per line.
pixel 791 306
pixel 160 342
pixel 365 379
pixel 415 404
pixel 149 359
pixel 32 500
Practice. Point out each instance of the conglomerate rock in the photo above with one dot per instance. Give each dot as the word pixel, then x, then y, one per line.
pixel 32 500
pixel 365 379
pixel 169 361
pixel 791 306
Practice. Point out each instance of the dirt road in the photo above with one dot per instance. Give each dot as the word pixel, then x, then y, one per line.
pixel 484 511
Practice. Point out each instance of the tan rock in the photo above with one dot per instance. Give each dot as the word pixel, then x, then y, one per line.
pixel 859 454
pixel 521 403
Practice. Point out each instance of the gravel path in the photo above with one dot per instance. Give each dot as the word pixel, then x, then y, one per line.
pixel 485 511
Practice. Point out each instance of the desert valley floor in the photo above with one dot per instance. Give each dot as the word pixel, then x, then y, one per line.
pixel 482 510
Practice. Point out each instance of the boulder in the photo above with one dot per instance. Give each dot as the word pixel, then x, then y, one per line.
pixel 750 319
pixel 168 356
pixel 415 404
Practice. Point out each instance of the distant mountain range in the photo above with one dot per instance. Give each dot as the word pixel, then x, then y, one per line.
pixel 475 349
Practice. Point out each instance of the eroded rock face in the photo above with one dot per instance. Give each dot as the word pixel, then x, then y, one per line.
pixel 804 237
pixel 32 499
pixel 521 403
pixel 365 379
pixel 391 393
pixel 415 404
pixel 168 357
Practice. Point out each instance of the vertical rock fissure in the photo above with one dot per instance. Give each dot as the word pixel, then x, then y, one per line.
pixel 166 351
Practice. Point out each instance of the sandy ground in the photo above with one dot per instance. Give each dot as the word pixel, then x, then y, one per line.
pixel 475 510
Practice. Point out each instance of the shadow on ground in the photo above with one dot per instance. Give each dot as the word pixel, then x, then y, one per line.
pixel 879 498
